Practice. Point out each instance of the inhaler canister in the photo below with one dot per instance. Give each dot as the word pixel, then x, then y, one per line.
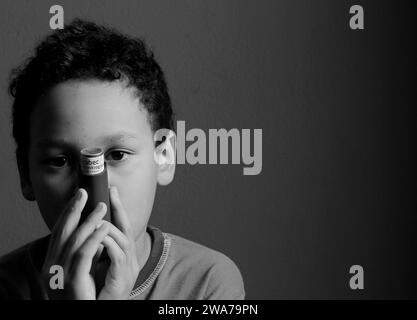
pixel 93 178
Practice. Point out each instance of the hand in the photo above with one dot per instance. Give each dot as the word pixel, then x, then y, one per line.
pixel 120 244
pixel 75 249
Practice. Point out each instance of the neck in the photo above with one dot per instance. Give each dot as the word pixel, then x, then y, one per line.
pixel 143 249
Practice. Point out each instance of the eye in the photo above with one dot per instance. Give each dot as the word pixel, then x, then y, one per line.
pixel 57 162
pixel 117 155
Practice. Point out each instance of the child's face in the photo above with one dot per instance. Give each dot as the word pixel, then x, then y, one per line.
pixel 79 114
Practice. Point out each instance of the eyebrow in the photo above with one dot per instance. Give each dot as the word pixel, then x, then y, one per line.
pixel 114 138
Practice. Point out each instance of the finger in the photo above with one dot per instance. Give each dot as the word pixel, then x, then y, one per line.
pixel 120 238
pixel 83 232
pixel 116 254
pixel 72 211
pixel 67 222
pixel 119 215
pixel 83 258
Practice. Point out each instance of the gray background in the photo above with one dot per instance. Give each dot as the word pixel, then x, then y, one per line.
pixel 338 181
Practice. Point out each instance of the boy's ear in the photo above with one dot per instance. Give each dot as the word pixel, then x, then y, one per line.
pixel 25 183
pixel 164 155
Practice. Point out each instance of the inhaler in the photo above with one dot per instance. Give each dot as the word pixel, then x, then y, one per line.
pixel 93 178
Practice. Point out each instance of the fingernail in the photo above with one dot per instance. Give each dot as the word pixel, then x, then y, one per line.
pixel 99 225
pixel 79 194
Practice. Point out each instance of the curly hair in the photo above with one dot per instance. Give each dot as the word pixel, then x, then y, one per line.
pixel 83 50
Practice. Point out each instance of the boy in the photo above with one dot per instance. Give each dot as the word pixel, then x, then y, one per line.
pixel 88 85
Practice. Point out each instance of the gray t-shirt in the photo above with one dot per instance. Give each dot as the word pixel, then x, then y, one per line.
pixel 177 269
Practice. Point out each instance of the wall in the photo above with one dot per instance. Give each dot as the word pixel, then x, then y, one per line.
pixel 338 178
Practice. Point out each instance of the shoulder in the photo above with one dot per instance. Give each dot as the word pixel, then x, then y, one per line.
pixel 13 267
pixel 16 271
pixel 216 271
pixel 15 259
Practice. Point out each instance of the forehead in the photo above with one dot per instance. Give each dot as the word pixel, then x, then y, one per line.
pixel 86 112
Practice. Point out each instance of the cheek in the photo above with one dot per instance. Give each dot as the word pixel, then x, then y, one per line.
pixel 51 201
pixel 137 188
pixel 52 193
